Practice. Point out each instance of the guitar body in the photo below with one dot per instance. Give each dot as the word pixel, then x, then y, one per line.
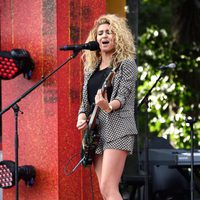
pixel 89 144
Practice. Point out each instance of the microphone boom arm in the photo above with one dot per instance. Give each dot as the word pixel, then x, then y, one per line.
pixel 75 53
pixel 146 146
pixel 149 92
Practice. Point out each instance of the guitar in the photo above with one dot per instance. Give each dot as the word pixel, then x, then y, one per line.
pixel 91 137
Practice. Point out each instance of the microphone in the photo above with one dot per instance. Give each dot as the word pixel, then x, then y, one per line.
pixel 92 46
pixel 170 66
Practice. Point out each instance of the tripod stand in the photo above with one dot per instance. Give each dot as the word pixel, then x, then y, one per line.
pixel 17 109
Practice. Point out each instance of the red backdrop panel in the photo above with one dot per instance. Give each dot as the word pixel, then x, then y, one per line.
pixel 47 129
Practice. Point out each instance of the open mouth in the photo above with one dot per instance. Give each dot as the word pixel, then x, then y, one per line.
pixel 105 42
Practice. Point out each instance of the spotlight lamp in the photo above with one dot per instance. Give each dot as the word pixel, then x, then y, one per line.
pixel 15 62
pixel 7 174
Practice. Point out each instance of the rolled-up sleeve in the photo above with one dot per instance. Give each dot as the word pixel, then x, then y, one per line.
pixel 128 76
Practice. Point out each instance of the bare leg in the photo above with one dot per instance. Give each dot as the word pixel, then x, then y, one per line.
pixel 98 166
pixel 109 168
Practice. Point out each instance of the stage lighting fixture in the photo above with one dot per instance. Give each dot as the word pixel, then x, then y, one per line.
pixel 15 62
pixel 7 174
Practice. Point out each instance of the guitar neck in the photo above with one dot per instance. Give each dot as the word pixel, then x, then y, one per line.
pixel 93 117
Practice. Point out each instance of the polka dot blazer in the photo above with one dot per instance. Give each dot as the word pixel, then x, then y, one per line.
pixel 120 122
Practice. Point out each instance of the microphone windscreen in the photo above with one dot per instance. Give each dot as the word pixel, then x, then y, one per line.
pixel 93 45
pixel 171 65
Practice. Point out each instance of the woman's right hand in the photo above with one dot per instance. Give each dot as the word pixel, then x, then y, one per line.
pixel 81 124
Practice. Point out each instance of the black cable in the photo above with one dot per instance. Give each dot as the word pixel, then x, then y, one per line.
pixel 91 184
pixel 68 162
pixel 73 170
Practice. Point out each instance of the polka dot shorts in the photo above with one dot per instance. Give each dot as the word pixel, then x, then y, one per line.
pixel 125 143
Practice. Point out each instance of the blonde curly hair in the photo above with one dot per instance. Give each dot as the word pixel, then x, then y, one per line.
pixel 124 42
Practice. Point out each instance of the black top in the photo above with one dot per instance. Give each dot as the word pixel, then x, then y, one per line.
pixel 95 82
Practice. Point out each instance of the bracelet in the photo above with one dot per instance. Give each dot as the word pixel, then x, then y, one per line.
pixel 110 109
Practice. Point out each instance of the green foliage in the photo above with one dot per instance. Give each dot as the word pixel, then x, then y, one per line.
pixel 177 94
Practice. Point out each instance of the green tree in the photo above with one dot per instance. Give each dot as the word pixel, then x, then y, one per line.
pixel 169 32
pixel 175 96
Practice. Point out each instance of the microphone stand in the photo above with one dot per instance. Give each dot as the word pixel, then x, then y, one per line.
pixel 191 122
pixel 146 143
pixel 17 109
